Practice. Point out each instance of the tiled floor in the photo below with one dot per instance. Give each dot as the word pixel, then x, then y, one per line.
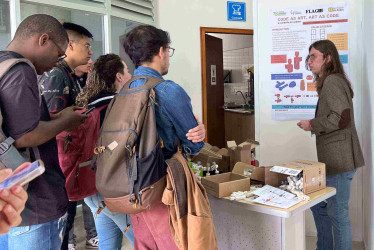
pixel 81 237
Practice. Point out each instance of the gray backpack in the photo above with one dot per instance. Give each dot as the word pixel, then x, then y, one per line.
pixel 130 165
pixel 10 157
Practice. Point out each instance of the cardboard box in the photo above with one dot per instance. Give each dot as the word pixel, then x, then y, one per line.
pixel 241 152
pixel 258 173
pixel 272 178
pixel 210 154
pixel 223 185
pixel 207 155
pixel 314 174
pixel 224 163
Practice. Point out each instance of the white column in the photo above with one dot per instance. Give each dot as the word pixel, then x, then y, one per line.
pixel 15 16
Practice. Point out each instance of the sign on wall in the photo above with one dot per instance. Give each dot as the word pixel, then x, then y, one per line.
pixel 293 30
pixel 236 11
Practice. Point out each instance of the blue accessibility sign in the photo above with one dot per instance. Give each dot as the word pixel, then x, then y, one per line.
pixel 236 11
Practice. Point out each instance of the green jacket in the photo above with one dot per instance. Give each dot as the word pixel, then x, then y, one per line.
pixel 336 136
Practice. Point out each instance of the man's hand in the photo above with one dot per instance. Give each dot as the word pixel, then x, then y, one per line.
pixel 196 134
pixel 304 124
pixel 12 202
pixel 73 119
pixel 66 120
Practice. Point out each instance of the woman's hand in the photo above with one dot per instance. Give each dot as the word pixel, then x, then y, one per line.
pixel 305 125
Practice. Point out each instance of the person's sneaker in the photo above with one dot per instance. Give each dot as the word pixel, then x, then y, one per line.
pixel 92 243
pixel 72 247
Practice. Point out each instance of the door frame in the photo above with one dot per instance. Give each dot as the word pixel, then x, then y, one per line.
pixel 203 31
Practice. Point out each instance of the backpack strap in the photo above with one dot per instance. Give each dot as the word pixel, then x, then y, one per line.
pixel 101 99
pixel 5 66
pixel 150 83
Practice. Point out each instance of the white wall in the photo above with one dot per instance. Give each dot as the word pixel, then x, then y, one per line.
pixel 183 19
pixel 368 126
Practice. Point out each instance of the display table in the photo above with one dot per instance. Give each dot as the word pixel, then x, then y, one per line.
pixel 248 225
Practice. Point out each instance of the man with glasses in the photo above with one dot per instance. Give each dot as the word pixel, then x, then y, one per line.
pixel 42 40
pixel 60 88
pixel 149 49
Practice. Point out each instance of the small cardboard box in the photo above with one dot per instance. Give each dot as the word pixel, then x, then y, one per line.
pixel 241 152
pixel 222 185
pixel 224 164
pixel 314 174
pixel 207 155
pixel 210 154
pixel 258 173
pixel 273 178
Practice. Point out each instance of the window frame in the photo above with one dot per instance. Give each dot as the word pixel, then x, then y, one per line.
pixel 98 7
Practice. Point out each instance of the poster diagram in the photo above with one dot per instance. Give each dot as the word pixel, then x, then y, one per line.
pixel 293 30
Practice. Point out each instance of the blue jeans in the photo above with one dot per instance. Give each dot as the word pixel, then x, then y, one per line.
pixel 109 225
pixel 42 236
pixel 332 217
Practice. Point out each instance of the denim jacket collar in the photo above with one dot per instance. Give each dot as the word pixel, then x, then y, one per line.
pixel 146 71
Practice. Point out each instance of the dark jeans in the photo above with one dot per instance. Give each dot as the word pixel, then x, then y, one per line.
pixel 89 224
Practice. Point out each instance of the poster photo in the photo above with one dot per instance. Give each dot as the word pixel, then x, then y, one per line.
pixel 293 30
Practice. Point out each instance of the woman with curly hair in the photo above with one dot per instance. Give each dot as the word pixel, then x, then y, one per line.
pixel 108 75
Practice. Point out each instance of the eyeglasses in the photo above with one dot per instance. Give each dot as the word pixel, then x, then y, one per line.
pixel 312 57
pixel 171 51
pixel 61 51
pixel 87 45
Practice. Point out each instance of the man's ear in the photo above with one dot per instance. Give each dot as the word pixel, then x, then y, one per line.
pixel 43 39
pixel 118 77
pixel 70 45
pixel 161 52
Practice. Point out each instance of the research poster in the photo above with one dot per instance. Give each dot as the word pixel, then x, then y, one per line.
pixel 293 30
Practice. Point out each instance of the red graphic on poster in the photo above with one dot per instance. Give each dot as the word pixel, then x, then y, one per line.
pixel 278 98
pixel 311 86
pixel 289 66
pixel 279 59
pixel 292 97
pixel 296 60
pixel 302 85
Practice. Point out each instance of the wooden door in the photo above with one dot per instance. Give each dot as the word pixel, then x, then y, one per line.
pixel 215 91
